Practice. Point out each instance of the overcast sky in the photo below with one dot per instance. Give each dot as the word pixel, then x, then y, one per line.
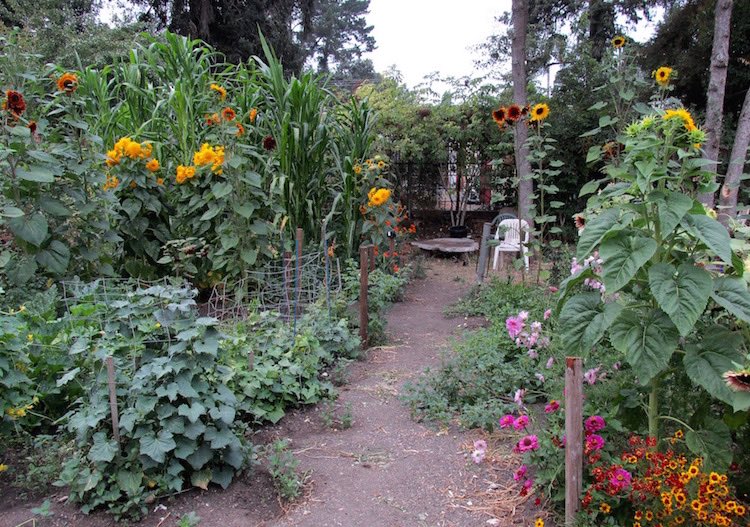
pixel 423 36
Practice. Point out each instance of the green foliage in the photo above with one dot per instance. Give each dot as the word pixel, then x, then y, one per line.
pixel 282 465
pixel 500 299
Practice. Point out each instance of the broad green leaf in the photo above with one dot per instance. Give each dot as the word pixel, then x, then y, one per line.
pixel 194 430
pixel 209 344
pixel 234 457
pixel 103 450
pixel 712 442
pixel 53 206
pixel 671 210
pixel 201 478
pixel 594 154
pixel 157 446
pixel 200 457
pixel 210 213
pixel 223 413
pixel 37 174
pixel 55 257
pixel 245 210
pixel 590 187
pixel 192 412
pixel 221 438
pixel 623 257
pixel 732 295
pixel 69 376
pixel 682 293
pixel 222 476
pixel 597 228
pixel 741 401
pixel 131 207
pixel 221 189
pixel 31 228
pixel 583 321
pixel 185 447
pixel 706 361
pixel 713 234
pixel 647 339
pixel 597 106
pixel 130 482
pixel 11 212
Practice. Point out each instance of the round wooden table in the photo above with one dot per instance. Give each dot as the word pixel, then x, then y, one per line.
pixel 462 246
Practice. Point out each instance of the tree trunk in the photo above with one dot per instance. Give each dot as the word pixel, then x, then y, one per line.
pixel 716 87
pixel 601 26
pixel 520 20
pixel 728 198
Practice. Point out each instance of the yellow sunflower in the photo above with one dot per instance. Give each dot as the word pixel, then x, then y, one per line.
pixel 618 41
pixel 539 112
pixel 662 76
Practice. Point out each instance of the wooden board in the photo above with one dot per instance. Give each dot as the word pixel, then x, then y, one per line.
pixel 448 245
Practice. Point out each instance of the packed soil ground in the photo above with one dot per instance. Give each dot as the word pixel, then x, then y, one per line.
pixel 384 470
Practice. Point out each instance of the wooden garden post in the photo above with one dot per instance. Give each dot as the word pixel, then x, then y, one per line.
pixel 371 256
pixel 364 316
pixel 484 250
pixel 573 437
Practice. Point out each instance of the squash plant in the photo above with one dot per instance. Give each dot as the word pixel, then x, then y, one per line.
pixel 672 295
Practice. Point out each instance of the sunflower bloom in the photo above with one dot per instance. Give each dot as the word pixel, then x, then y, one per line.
pixel 738 380
pixel 684 115
pixel 68 82
pixel 539 112
pixel 184 173
pixel 377 197
pixel 14 103
pixel 209 155
pixel 618 42
pixel 514 113
pixel 228 114
pixel 220 90
pixel 153 165
pixel 499 116
pixel 662 76
pixel 357 169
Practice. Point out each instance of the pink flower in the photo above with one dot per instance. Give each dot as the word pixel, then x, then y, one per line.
pixel 591 375
pixel 528 443
pixel 550 362
pixel 521 422
pixel 477 456
pixel 594 442
pixel 520 473
pixel 514 325
pixel 553 289
pixel 616 366
pixel 523 315
pixel 536 326
pixel 594 424
pixel 480 444
pixel 507 420
pixel 547 314
pixel 551 407
pixel 539 377
pixel 518 397
pixel 620 479
pixel 527 487
pixel 533 354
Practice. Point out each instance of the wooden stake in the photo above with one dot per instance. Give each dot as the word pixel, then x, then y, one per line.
pixel 364 315
pixel 371 256
pixel 484 250
pixel 573 437
pixel 113 398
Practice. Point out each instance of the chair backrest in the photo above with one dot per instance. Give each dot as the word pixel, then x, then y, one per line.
pixel 511 229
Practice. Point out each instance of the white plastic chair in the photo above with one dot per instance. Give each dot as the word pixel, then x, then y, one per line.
pixel 512 240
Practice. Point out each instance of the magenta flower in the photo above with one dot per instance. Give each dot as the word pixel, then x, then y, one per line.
pixel 591 375
pixel 551 407
pixel 528 443
pixel 507 421
pixel 620 479
pixel 594 424
pixel 520 473
pixel 547 314
pixel 594 442
pixel 514 325
pixel 521 422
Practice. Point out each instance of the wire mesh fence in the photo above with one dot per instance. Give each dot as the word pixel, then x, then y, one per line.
pixel 285 286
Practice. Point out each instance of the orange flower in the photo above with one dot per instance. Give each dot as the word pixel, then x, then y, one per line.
pixel 253 114
pixel 160 181
pixel 14 103
pixel 68 82
pixel 32 127
pixel 514 113
pixel 240 129
pixel 228 114
pixel 220 90
pixel 212 119
pixel 153 165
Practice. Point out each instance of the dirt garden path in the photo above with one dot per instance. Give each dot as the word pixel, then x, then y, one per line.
pixel 384 471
